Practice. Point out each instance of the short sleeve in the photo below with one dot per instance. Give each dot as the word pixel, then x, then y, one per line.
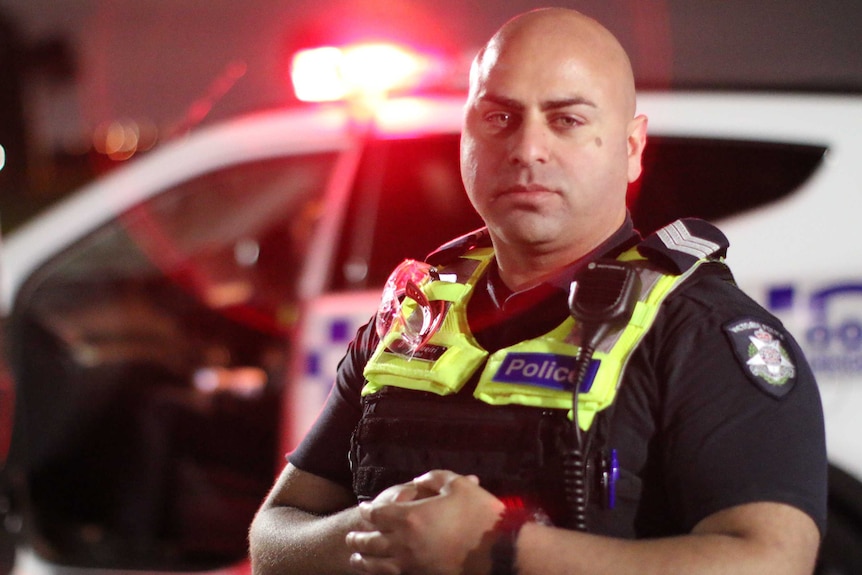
pixel 742 419
pixel 324 451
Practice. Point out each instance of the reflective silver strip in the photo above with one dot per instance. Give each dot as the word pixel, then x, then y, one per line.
pixel 676 237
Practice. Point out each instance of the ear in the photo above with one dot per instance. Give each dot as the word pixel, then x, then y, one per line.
pixel 636 142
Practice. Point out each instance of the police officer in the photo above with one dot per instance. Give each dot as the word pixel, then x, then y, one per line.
pixel 494 423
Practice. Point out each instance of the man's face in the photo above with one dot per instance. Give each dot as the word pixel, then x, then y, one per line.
pixel 545 152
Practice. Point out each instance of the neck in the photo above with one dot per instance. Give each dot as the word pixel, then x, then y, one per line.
pixel 524 268
pixel 523 265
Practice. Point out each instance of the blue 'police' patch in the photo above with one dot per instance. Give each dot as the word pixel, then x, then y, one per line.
pixel 544 370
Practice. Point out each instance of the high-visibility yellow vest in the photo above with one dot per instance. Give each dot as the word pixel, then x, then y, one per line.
pixel 538 372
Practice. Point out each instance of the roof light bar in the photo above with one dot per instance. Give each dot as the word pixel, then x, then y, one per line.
pixel 364 70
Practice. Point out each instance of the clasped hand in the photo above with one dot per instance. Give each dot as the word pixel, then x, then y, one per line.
pixel 440 523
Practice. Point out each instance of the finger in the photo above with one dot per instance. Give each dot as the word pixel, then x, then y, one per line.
pixel 407 492
pixel 374 565
pixel 384 516
pixel 435 480
pixel 402 492
pixel 461 482
pixel 369 543
pixel 440 480
pixel 366 509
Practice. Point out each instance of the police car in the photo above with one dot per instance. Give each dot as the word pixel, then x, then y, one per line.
pixel 174 327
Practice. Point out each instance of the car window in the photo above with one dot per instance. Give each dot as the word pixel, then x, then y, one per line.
pixel 407 200
pixel 408 197
pixel 713 178
pixel 150 354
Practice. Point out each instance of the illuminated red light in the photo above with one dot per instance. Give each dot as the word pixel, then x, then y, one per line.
pixel 316 75
pixel 361 71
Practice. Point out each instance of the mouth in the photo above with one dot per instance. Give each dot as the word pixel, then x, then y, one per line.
pixel 525 190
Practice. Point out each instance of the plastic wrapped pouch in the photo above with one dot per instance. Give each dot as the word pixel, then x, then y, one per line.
pixel 406 318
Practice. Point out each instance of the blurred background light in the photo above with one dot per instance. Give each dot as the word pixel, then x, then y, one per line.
pixel 363 70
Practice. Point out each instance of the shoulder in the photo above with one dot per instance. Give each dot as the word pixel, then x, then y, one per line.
pixel 712 288
pixel 681 244
pixel 713 322
pixel 698 248
pixel 709 302
pixel 709 321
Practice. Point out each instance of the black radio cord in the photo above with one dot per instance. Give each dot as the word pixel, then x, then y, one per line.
pixel 574 462
pixel 601 299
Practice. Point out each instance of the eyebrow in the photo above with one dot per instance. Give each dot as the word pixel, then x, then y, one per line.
pixel 546 105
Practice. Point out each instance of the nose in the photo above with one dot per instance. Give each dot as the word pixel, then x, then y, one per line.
pixel 530 143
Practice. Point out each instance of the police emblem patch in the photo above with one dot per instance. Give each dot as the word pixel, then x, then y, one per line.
pixel 764 355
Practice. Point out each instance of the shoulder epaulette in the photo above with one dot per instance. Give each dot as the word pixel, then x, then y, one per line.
pixel 678 245
pixel 459 246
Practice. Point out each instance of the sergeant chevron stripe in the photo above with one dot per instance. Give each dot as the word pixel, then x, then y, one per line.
pixel 676 236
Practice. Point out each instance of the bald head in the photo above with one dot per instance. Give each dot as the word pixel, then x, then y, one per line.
pixel 550 142
pixel 542 37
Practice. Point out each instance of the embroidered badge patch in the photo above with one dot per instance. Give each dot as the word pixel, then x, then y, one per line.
pixel 763 354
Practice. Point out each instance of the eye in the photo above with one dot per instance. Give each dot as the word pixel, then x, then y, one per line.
pixel 499 120
pixel 566 121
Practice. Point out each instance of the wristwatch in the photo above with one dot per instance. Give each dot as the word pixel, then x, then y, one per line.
pixel 514 516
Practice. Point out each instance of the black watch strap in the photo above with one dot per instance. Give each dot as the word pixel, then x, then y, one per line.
pixel 507 530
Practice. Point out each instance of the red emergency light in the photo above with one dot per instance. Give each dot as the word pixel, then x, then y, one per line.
pixel 360 71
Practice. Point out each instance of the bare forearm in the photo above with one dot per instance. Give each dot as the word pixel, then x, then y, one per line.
pixel 287 541
pixel 548 551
